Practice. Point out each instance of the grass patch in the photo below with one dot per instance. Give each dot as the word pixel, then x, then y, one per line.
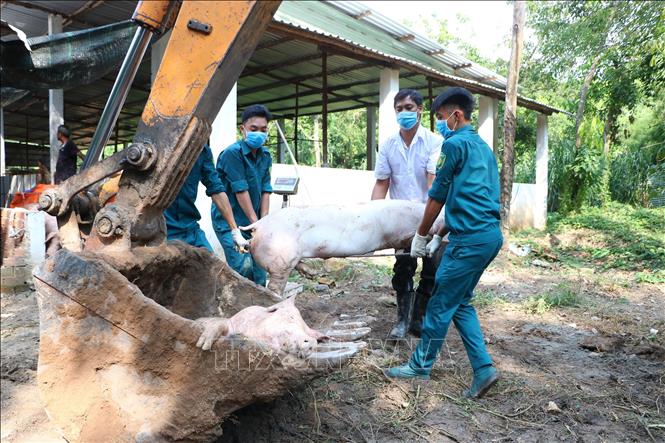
pixel 561 296
pixel 650 277
pixel 379 271
pixel 485 298
pixel 627 238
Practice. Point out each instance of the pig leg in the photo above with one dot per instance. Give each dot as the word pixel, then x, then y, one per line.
pixel 279 271
pixel 278 281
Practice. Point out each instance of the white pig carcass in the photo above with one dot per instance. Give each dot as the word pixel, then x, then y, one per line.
pixel 281 239
pixel 280 327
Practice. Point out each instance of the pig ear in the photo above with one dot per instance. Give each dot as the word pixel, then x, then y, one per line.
pixel 291 301
pixel 286 303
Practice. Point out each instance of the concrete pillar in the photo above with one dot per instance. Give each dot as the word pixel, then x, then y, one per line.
pixel 324 108
pixel 2 142
pixel 223 134
pixel 157 50
pixel 56 102
pixel 487 120
pixel 540 213
pixel 281 147
pixel 388 87
pixel 371 137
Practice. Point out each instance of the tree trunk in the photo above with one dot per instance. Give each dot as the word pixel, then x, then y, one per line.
pixel 317 144
pixel 583 96
pixel 510 113
pixel 574 182
pixel 607 134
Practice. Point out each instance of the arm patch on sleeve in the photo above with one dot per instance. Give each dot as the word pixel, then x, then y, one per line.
pixel 441 161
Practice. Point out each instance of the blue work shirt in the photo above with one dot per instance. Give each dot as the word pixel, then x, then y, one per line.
pixel 182 215
pixel 239 170
pixel 467 182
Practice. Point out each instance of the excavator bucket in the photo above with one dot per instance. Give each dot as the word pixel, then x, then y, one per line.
pixel 118 357
pixel 142 340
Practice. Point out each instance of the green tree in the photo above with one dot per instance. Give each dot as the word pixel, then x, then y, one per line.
pixel 607 48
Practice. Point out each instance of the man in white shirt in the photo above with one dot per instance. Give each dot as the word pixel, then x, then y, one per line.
pixel 406 166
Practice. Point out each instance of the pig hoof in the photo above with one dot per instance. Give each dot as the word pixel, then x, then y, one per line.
pixel 334 353
pixel 348 334
pixel 349 324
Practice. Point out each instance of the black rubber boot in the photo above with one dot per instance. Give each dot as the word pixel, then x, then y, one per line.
pixel 419 308
pixel 404 311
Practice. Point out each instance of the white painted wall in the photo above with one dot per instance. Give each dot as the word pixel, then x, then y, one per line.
pixel 542 156
pixel 36 228
pixel 523 206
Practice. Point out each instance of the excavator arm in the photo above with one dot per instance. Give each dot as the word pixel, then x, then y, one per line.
pixel 210 45
pixel 147 340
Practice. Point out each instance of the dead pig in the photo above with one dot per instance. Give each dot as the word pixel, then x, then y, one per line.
pixel 283 238
pixel 280 327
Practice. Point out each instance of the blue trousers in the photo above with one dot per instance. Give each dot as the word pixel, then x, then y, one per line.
pixel 194 237
pixel 456 278
pixel 243 264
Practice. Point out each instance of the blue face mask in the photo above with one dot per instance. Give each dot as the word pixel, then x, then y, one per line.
pixel 407 119
pixel 255 139
pixel 442 127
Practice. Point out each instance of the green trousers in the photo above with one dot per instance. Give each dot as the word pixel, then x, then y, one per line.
pixel 456 278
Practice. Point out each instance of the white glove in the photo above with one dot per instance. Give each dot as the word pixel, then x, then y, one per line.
pixel 418 246
pixel 242 244
pixel 433 245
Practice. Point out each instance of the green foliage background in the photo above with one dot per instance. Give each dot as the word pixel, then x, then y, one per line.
pixel 626 101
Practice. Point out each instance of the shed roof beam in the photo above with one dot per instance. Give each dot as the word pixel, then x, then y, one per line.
pixel 261 69
pixel 39 7
pixel 88 6
pixel 271 43
pixel 302 78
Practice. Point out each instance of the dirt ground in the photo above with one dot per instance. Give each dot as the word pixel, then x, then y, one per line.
pixel 581 354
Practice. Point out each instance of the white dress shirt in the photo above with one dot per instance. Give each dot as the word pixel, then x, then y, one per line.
pixel 407 166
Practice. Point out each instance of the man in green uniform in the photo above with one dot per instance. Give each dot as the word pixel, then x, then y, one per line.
pixel 244 169
pixel 182 217
pixel 467 182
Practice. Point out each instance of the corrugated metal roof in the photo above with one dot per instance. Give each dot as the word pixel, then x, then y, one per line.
pixel 291 16
pixel 293 57
pixel 415 41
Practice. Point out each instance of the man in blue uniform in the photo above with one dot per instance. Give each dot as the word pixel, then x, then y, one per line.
pixel 467 182
pixel 244 169
pixel 182 217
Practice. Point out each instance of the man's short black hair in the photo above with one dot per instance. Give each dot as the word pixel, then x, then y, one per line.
pixel 455 96
pixel 256 111
pixel 62 129
pixel 408 93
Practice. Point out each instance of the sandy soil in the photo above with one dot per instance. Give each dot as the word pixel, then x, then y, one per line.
pixel 596 359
